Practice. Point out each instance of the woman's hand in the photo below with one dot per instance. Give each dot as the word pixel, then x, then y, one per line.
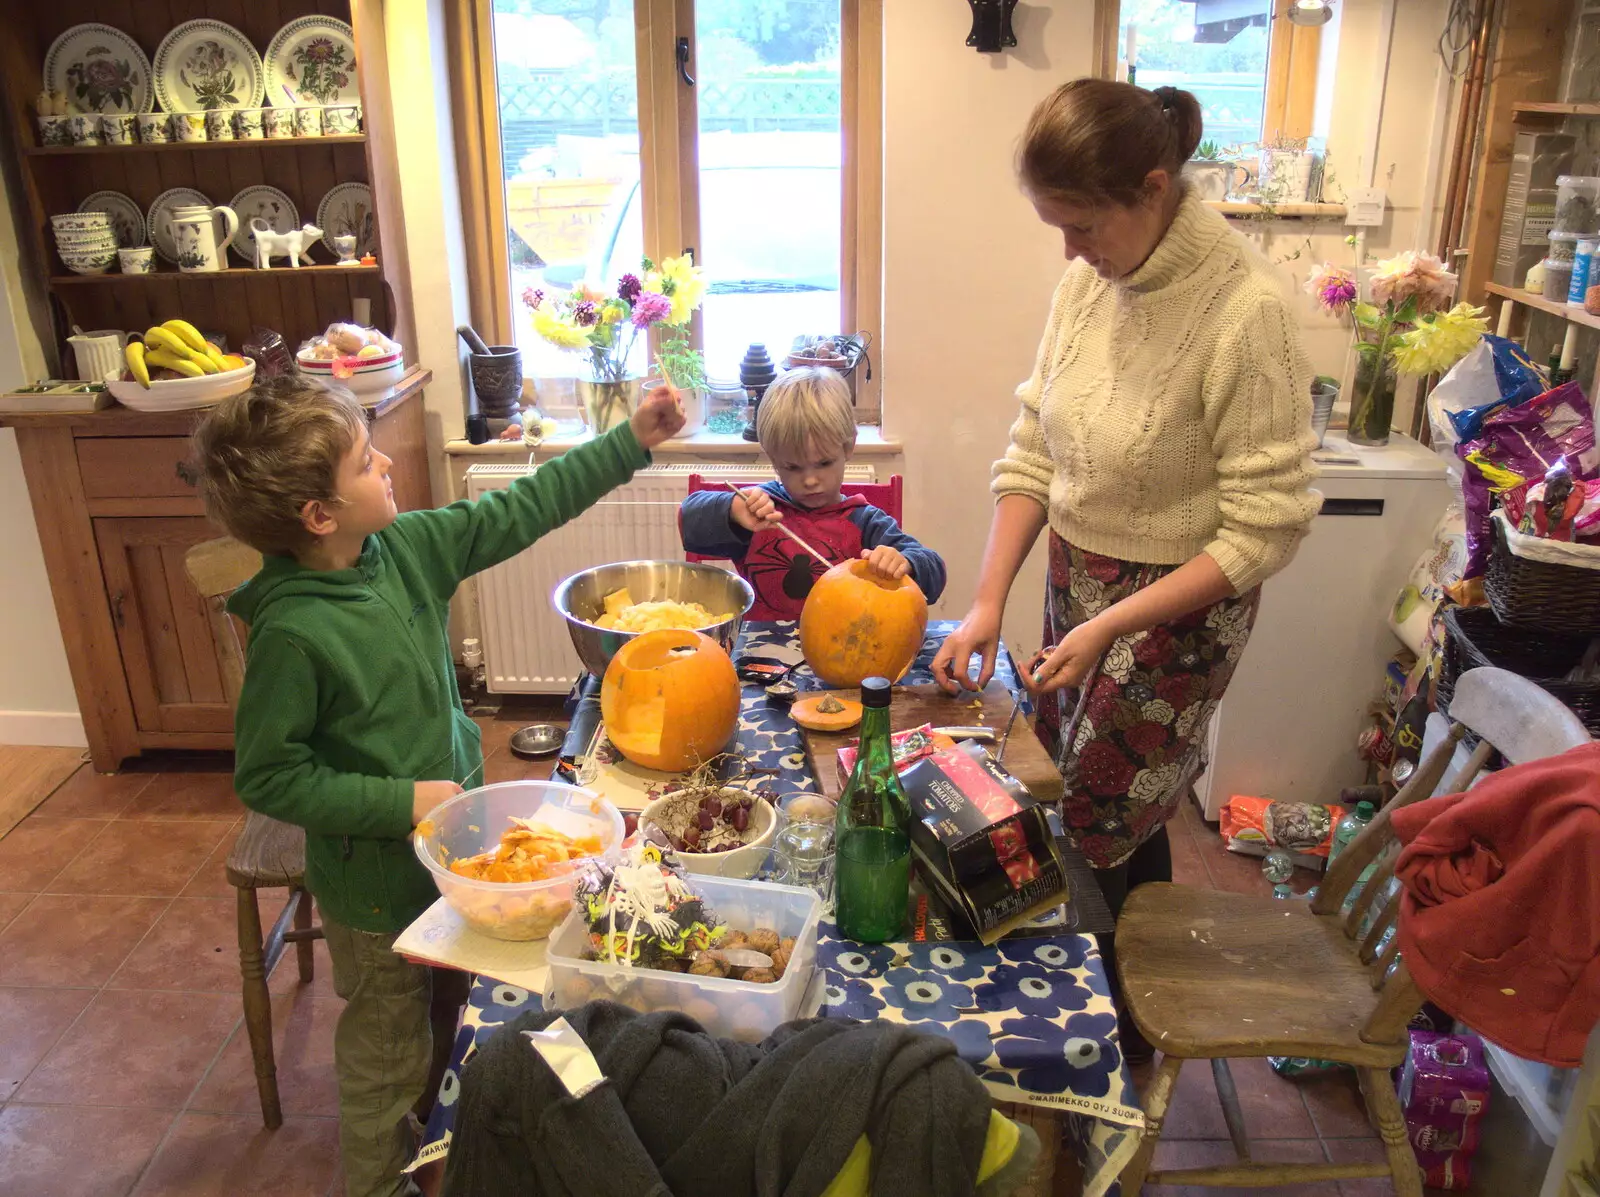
pixel 886 562
pixel 660 417
pixel 979 633
pixel 753 510
pixel 1070 661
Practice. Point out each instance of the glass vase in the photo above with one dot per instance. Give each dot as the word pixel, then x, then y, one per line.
pixel 607 402
pixel 1372 405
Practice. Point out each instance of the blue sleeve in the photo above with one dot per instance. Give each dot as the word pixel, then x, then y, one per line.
pixel 707 528
pixel 878 527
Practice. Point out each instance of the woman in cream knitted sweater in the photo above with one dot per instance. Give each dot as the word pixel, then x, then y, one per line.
pixel 1164 437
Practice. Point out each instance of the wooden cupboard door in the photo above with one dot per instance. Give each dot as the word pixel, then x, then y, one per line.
pixel 401 434
pixel 168 651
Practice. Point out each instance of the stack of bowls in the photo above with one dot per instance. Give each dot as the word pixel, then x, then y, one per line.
pixel 86 241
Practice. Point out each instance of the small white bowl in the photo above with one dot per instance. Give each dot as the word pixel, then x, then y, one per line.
pixel 741 862
pixel 81 221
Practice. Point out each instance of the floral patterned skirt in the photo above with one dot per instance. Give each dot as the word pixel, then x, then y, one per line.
pixel 1142 738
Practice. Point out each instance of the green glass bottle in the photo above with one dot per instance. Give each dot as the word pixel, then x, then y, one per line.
pixel 872 840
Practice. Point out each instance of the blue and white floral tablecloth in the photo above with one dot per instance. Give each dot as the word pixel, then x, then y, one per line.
pixel 1033 1016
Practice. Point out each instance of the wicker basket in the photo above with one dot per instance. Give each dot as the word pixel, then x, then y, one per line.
pixel 1474 637
pixel 1564 599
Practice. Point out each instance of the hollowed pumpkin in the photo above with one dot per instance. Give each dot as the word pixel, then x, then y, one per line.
pixel 857 624
pixel 670 700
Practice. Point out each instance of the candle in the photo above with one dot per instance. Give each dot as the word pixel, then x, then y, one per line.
pixel 1133 45
pixel 1569 347
pixel 1503 328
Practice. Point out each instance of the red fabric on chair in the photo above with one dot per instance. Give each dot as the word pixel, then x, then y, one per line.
pixel 887 497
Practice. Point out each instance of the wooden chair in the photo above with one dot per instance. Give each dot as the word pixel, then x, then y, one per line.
pixel 268 854
pixel 1209 975
pixel 888 497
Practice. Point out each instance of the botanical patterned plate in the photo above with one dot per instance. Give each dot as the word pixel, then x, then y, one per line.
pixel 314 60
pixel 158 220
pixel 347 208
pixel 100 69
pixel 126 218
pixel 206 64
pixel 272 206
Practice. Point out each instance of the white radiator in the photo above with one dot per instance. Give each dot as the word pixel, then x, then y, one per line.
pixel 526 648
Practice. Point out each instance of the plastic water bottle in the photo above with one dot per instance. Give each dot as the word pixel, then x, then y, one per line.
pixel 1349 827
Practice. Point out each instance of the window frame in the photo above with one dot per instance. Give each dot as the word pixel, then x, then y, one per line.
pixel 669 163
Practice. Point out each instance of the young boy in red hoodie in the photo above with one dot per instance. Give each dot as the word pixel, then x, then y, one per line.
pixel 808 430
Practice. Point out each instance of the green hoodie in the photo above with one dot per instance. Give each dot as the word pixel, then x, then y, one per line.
pixel 350 691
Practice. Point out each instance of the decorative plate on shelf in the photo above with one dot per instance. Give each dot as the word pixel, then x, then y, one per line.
pixel 158 220
pixel 347 209
pixel 313 59
pixel 207 64
pixel 272 206
pixel 126 218
pixel 100 69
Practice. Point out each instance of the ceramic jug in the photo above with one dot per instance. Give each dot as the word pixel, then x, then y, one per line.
pixel 99 353
pixel 194 233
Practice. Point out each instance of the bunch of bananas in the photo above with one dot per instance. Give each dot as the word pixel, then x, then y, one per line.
pixel 178 346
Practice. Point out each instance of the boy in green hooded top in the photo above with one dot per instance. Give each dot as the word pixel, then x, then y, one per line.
pixel 349 723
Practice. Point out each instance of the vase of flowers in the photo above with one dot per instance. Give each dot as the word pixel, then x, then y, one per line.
pixel 1408 327
pixel 604 326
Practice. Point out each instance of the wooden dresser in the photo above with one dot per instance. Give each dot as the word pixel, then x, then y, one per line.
pixel 114 499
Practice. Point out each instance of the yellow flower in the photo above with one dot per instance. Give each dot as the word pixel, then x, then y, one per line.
pixel 681 281
pixel 1435 345
pixel 557 331
pixel 612 312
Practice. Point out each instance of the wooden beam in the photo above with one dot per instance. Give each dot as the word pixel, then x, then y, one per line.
pixel 861 241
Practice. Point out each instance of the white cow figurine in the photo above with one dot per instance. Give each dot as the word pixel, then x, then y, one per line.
pixel 270 244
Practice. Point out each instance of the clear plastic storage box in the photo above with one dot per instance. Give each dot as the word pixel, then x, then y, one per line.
pixel 724 1007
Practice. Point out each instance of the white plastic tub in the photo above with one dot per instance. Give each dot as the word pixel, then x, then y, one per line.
pixel 724 1007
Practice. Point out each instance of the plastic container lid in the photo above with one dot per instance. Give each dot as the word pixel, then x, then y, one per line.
pixel 1365 810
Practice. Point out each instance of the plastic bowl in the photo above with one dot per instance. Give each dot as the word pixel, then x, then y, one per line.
pixel 739 863
pixel 581 598
pixel 471 823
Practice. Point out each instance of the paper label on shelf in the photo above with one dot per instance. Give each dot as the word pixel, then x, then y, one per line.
pixel 1365 206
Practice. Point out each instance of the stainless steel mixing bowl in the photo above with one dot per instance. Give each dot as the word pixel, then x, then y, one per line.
pixel 581 598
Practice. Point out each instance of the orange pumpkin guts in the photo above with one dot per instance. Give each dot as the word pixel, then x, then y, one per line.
pixel 670 700
pixel 856 624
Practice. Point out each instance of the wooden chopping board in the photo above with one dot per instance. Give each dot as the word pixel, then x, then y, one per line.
pixel 1025 758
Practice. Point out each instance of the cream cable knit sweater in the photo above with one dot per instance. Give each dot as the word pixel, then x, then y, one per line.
pixel 1169 413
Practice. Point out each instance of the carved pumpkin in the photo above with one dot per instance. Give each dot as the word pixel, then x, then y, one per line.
pixel 857 624
pixel 670 700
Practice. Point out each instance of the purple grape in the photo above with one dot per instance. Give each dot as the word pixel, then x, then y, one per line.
pixel 741 818
pixel 678 844
pixel 691 838
pixel 714 805
pixel 705 821
pixel 656 836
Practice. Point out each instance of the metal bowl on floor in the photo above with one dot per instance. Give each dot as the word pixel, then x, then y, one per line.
pixel 581 598
pixel 536 740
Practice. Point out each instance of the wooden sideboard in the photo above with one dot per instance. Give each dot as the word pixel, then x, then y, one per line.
pixel 116 508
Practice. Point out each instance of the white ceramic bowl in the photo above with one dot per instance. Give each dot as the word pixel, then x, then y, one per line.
pixel 741 862
pixel 81 222
pixel 95 261
pixel 181 394
pixel 370 376
pixel 84 236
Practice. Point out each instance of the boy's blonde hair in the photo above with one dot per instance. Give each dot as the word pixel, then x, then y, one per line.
pixel 265 454
pixel 806 406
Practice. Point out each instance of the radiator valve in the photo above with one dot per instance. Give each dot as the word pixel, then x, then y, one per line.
pixel 471 653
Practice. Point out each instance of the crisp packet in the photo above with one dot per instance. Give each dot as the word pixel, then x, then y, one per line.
pixel 1253 825
pixel 908 746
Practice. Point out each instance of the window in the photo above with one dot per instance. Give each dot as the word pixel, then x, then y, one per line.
pixel 763 166
pixel 1253 71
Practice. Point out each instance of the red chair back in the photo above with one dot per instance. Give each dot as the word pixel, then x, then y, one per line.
pixel 887 497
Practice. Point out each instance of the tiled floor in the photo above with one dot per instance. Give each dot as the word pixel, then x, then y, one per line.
pixel 123 1062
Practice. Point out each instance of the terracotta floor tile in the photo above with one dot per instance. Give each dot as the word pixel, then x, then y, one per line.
pixel 1187 866
pixel 1271 1104
pixel 302 1036
pixel 155 859
pixel 231 1155
pixel 1350 1151
pixel 90 795
pixel 162 1044
pixel 211 881
pixel 286 977
pixel 73 1151
pixel 1336 1105
pixel 35 851
pixel 12 905
pixel 65 940
pixel 194 948
pixel 1178 1153
pixel 33 1020
pixel 188 796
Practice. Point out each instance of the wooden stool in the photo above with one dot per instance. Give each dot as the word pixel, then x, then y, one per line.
pixel 269 855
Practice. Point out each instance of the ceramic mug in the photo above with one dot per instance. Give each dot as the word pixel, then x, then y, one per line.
pixel 194 232
pixel 308 120
pixel 84 129
pixel 342 120
pixel 137 261
pixel 345 246
pixel 189 126
pixel 119 128
pixel 155 128
pixel 278 122
pixel 219 124
pixel 247 123
pixel 54 130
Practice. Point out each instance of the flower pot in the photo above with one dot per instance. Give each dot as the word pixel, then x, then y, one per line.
pixel 1323 397
pixel 1285 176
pixel 1372 402
pixel 607 404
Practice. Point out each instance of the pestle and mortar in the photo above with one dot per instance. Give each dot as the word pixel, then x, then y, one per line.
pixel 496 372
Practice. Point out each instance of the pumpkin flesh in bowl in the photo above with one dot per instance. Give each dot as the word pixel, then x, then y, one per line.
pixel 670 700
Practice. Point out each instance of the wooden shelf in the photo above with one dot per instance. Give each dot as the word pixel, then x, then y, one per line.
pixel 260 143
pixel 1540 303
pixel 1532 109
pixel 233 272
pixel 1276 211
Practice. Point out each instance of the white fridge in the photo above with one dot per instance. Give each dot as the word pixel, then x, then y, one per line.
pixel 1315 662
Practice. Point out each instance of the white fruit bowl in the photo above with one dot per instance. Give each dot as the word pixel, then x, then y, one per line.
pixel 370 375
pixel 181 394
